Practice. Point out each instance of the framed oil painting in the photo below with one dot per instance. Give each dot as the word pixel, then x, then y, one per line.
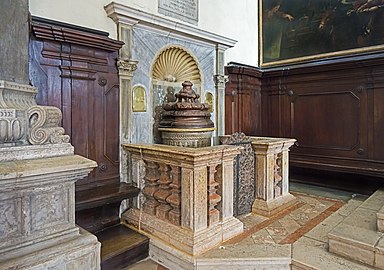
pixel 293 31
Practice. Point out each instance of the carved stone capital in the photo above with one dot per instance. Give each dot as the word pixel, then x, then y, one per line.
pixel 16 96
pixel 23 122
pixel 126 67
pixel 220 80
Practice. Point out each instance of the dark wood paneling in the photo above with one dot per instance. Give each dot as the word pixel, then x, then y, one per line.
pixel 334 108
pixel 75 70
pixel 243 101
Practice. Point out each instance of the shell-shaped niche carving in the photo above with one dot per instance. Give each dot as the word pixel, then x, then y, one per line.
pixel 175 65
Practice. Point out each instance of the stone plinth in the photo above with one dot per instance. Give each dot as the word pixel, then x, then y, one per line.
pixel 271 175
pixel 186 206
pixel 37 206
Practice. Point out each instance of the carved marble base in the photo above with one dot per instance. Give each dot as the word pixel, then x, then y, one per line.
pixel 37 206
pixel 182 239
pixel 77 252
pixel 272 207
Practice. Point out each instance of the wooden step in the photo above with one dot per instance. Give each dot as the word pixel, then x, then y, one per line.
pixel 98 208
pixel 102 195
pixel 121 247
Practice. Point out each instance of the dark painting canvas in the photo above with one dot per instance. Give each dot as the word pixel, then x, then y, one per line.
pixel 300 30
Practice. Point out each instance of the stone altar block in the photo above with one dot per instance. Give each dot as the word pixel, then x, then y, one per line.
pixel 37 206
pixel 186 205
pixel 38 171
pixel 271 175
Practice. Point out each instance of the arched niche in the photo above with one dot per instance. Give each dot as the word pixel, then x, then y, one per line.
pixel 171 67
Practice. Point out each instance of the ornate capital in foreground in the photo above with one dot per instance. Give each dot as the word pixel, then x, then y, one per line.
pixel 220 80
pixel 23 122
pixel 126 67
pixel 44 126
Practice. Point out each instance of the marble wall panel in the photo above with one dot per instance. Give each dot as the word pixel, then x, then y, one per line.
pixel 146 45
pixel 10 218
pixel 49 208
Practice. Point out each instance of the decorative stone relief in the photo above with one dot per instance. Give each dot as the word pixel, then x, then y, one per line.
pixel 220 80
pixel 244 173
pixel 48 208
pixel 22 121
pixel 175 64
pixel 44 124
pixel 10 218
pixel 210 101
pixel 126 67
pixel 139 99
pixel 14 100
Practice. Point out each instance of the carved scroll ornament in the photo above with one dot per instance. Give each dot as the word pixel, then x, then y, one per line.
pixel 44 126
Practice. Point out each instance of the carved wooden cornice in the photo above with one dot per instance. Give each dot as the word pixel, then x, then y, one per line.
pixel 51 30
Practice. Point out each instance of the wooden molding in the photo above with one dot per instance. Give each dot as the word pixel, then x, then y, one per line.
pixel 72 34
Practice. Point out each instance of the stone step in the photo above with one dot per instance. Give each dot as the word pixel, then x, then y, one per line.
pixel 121 247
pixel 357 236
pixel 380 219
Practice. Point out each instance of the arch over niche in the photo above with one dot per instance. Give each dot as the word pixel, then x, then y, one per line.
pixel 171 67
pixel 175 64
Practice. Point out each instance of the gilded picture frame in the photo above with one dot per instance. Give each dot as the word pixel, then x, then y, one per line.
pixel 295 31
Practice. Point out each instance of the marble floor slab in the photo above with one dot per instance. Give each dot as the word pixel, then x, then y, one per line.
pixel 295 238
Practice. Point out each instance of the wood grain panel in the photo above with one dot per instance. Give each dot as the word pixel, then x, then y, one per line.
pixel 333 107
pixel 75 70
pixel 327 120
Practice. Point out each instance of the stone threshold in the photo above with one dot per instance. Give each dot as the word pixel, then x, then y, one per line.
pixel 357 237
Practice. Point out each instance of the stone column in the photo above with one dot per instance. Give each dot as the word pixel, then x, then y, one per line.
pixel 271 175
pixel 126 66
pixel 14 41
pixel 220 79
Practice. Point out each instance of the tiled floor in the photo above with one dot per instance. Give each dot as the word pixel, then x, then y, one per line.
pixel 309 220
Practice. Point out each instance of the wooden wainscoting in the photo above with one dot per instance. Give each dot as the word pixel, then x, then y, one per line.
pixel 334 108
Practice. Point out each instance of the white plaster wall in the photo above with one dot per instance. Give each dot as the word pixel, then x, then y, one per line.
pixel 233 19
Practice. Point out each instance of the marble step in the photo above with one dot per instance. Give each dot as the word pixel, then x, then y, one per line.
pixel 380 219
pixel 357 237
pixel 121 247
